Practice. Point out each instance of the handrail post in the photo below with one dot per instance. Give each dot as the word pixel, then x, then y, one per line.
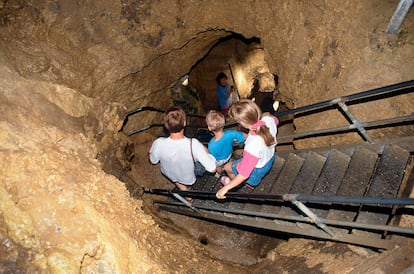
pixel 398 17
pixel 354 121
pixel 185 202
pixel 312 216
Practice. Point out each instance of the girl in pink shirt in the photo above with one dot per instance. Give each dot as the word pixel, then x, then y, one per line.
pixel 259 148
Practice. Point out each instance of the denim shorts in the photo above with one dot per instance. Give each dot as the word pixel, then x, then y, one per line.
pixel 257 174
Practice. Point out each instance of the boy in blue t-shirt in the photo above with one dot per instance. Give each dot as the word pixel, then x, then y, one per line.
pixel 221 145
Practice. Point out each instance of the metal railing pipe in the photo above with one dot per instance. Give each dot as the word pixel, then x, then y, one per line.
pixel 148 108
pixel 347 128
pixel 288 197
pixel 348 98
pixel 345 224
pixel 312 107
pixel 355 122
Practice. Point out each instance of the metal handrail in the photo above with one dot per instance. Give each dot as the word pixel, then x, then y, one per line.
pixel 321 106
pixel 372 124
pixel 297 200
pixel 349 98
pixel 343 200
pixel 148 108
pixel 292 218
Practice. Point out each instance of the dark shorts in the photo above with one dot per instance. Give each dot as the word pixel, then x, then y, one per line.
pixel 257 174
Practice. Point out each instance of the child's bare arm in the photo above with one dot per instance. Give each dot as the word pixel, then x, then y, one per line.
pixel 221 193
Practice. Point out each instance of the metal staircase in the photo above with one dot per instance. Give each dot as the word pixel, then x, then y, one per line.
pixel 353 194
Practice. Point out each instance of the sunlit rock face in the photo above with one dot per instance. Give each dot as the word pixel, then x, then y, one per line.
pixel 61 209
pixel 70 71
pixel 57 203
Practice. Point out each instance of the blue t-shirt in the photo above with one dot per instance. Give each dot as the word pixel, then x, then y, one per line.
pixel 222 92
pixel 221 149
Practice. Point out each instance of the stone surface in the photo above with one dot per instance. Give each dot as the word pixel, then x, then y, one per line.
pixel 70 70
pixel 133 52
pixel 60 211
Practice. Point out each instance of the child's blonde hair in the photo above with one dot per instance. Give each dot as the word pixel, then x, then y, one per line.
pixel 249 113
pixel 215 121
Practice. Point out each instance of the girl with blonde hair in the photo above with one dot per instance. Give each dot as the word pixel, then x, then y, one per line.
pixel 259 149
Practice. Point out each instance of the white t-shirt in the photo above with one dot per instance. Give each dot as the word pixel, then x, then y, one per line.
pixel 256 146
pixel 175 158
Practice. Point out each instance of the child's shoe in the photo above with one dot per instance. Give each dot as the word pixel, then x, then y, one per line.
pixel 224 180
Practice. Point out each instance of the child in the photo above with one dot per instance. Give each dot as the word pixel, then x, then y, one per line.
pixel 221 145
pixel 259 148
pixel 223 92
pixel 175 154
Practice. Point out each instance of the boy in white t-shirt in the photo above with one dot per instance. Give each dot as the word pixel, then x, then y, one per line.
pixel 175 154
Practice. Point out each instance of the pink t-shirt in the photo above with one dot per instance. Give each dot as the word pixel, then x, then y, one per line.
pixel 256 154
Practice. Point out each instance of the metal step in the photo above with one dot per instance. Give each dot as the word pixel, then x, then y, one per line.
pixel 386 181
pixel 284 181
pixel 264 188
pixel 331 177
pixel 306 179
pixel 355 182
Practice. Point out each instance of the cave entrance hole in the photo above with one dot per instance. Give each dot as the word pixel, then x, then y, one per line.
pixel 243 61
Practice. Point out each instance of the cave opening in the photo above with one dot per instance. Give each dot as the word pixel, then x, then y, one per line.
pixel 242 60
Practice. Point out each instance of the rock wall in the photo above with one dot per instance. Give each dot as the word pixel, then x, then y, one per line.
pixel 132 52
pixel 61 211
pixel 329 49
pixel 71 69
pixel 56 200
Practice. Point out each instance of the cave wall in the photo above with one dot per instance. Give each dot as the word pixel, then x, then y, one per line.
pixel 331 48
pixel 116 51
pixel 132 52
pixel 71 69
pixel 327 49
pixel 61 209
pixel 55 198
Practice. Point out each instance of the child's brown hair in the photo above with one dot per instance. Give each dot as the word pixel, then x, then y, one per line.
pixel 215 120
pixel 175 119
pixel 249 113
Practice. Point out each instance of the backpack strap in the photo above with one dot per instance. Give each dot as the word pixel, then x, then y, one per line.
pixel 191 148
